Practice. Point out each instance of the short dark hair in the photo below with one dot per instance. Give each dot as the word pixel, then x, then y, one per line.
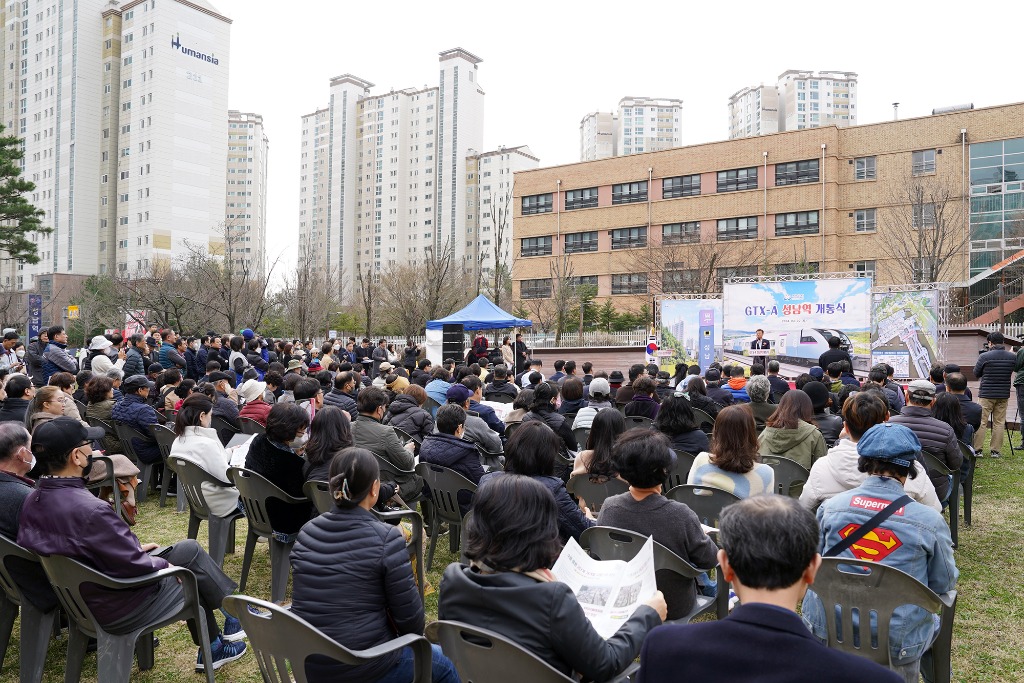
pixel 371 398
pixel 885 468
pixel 833 342
pixel 351 476
pixel 572 389
pixel 769 540
pixel 500 371
pixel 472 382
pixel 449 418
pixel 424 364
pixel 172 376
pixel 993 337
pixel 877 374
pixel 17 385
pixel 862 412
pixel 935 373
pixel 756 369
pixel 736 371
pixel 531 449
pixel 96 389
pixel 514 526
pixel 802 380
pixel 643 457
pixel 64 380
pixel 635 370
pixel 559 364
pixel 570 367
pixel 212 366
pixel 273 378
pixel 284 420
pixel 675 415
pixel 834 369
pixel 587 367
pixel 955 381
pixel 644 385
pixel 53 331
pixel 441 374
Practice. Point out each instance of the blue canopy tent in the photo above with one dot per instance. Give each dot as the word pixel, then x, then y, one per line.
pixel 480 314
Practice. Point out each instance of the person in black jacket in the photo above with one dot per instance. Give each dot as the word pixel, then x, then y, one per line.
pixel 408 414
pixel 994 368
pixel 829 425
pixel 956 384
pixel 450 449
pixel 676 421
pixel 715 391
pixel 19 392
pixel 834 354
pixel 277 456
pixel 543 409
pixel 779 385
pixel 351 578
pixel 508 586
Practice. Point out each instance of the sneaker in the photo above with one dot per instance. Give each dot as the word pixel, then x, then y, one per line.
pixel 232 630
pixel 994 454
pixel 223 653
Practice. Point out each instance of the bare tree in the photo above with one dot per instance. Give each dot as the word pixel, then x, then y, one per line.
pixel 368 286
pixel 500 281
pixel 923 231
pixel 168 294
pixel 692 267
pixel 13 307
pixel 411 294
pixel 310 297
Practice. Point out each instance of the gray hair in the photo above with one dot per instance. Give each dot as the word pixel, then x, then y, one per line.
pixel 115 374
pixel 13 436
pixel 758 387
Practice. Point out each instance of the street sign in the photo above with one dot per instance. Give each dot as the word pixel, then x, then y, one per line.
pixel 73 312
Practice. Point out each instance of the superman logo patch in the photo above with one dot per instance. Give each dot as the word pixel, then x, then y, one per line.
pixel 876 545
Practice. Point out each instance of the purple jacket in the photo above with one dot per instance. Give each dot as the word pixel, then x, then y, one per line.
pixel 62 518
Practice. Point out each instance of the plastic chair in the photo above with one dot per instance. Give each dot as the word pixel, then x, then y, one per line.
pixel 36 626
pixel 680 471
pixel 225 430
pixel 706 501
pixel 788 474
pixel 254 492
pixel 405 437
pixel 125 433
pixel 570 417
pixel 638 422
pixel 482 656
pixel 968 483
pixel 933 462
pixel 510 427
pixel 582 435
pixel 165 437
pixel 445 485
pixel 282 642
pixel 500 398
pixel 621 407
pixel 431 406
pixel 251 426
pixel 80 406
pixel 221 530
pixel 114 652
pixel 110 482
pixel 876 589
pixel 490 459
pixel 594 493
pixel 705 421
pixel 609 543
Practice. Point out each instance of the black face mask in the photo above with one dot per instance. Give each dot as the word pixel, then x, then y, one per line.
pixel 88 468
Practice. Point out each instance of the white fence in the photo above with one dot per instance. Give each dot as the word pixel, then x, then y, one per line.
pixel 1010 329
pixel 542 339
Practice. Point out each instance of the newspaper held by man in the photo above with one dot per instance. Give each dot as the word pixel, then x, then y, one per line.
pixel 609 591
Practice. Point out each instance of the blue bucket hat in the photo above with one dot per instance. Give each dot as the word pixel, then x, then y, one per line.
pixel 891 442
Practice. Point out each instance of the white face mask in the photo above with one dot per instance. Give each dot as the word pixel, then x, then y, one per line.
pixel 32 463
pixel 299 441
pixel 195 346
pixel 21 353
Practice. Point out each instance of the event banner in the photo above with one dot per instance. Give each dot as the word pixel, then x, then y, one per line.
pixel 35 315
pixel 798 318
pixel 905 331
pixel 691 333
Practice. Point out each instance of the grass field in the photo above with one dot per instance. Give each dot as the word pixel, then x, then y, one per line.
pixel 988 639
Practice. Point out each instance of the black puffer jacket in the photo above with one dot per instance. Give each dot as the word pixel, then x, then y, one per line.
pixel 557 423
pixel 351 578
pixel 994 369
pixel 407 415
pixel 571 520
pixel 286 470
pixel 935 436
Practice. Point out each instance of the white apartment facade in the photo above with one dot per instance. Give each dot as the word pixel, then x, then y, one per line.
pixel 383 177
pixel 810 99
pixel 122 108
pixel 489 208
pixel 641 124
pixel 754 111
pixel 245 214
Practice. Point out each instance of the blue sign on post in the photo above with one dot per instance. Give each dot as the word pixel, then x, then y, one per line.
pixel 35 314
pixel 706 331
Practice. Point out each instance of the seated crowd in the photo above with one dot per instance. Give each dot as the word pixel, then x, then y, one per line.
pixel 361 418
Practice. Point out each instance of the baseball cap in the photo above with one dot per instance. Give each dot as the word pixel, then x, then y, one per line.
pixel 599 385
pixel 818 393
pixel 921 388
pixel 458 393
pixel 137 382
pixel 816 372
pixel 891 442
pixel 59 436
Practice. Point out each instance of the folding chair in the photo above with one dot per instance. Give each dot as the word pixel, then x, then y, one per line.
pixel 251 426
pixel 875 589
pixel 931 462
pixel 638 422
pixel 968 482
pixel 114 652
pixel 36 625
pixel 220 530
pixel 595 493
pixel 445 485
pixel 165 437
pixel 789 475
pixel 254 492
pixel 282 642
pixel 680 470
pixel 125 434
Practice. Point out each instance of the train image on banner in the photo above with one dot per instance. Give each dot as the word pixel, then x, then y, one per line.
pixel 799 346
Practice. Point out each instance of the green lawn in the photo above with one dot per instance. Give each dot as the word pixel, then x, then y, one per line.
pixel 988 640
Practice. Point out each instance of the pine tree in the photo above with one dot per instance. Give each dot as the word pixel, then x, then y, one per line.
pixel 18 216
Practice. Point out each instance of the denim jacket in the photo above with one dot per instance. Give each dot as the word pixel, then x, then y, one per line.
pixel 915 540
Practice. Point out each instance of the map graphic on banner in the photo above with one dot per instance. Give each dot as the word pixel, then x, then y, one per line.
pixel 799 317
pixel 691 333
pixel 905 331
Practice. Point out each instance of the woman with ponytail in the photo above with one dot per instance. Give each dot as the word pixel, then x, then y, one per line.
pixel 351 578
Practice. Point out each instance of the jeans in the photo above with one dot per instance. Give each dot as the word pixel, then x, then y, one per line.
pixel 441 669
pixel 996 409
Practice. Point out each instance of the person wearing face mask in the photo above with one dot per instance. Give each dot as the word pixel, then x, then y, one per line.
pixel 192 359
pixel 197 442
pixel 99 359
pixel 220 390
pixel 277 456
pixel 61 517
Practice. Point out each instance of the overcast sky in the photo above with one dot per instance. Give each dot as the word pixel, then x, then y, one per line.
pixel 546 64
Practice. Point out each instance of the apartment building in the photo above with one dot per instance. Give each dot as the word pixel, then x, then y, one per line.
pixel 383 176
pixel 245 215
pixel 827 199
pixel 640 124
pixel 754 111
pixel 799 99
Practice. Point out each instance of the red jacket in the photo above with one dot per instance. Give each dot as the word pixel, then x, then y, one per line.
pixel 256 410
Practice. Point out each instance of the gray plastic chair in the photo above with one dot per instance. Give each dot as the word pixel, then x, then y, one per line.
pixel 706 501
pixel 489 459
pixel 220 530
pixel 510 427
pixel 254 491
pixel 431 406
pixel 114 652
pixel 445 485
pixel 282 642
pixel 594 493
pixel 500 398
pixel 680 471
pixel 165 437
pixel 705 421
pixel 788 474
pixel 110 482
pixel 482 656
pixel 877 589
pixel 36 625
pixel 931 463
pixel 405 437
pixel 225 430
pixel 80 406
pixel 638 422
pixel 125 434
pixel 582 435
pixel 609 543
pixel 251 426
pixel 968 483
